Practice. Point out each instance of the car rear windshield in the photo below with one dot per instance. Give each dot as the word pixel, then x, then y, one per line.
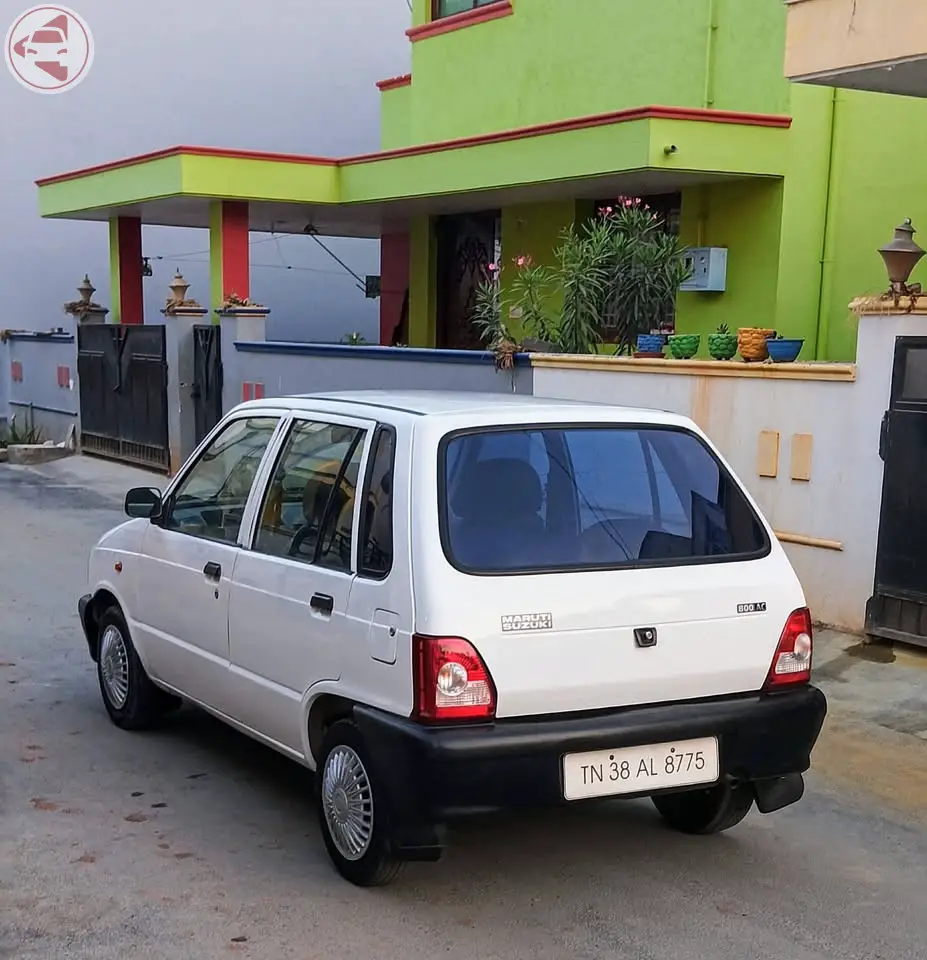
pixel 589 497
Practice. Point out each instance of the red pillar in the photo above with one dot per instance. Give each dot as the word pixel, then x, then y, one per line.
pixel 129 246
pixel 394 282
pixel 236 264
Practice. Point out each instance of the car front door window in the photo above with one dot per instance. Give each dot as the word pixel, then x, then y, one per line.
pixel 308 512
pixel 210 500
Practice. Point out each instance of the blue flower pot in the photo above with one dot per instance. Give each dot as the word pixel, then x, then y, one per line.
pixel 784 351
pixel 651 343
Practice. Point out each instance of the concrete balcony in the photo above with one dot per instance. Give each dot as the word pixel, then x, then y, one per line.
pixel 878 45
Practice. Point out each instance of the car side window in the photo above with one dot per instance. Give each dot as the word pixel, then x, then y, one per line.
pixel 376 545
pixel 210 500
pixel 308 510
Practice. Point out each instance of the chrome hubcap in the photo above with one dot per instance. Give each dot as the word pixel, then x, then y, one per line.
pixel 114 666
pixel 348 803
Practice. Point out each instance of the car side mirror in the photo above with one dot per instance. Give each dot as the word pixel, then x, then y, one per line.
pixel 143 502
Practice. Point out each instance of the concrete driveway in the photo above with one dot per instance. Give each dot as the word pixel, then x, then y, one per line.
pixel 192 842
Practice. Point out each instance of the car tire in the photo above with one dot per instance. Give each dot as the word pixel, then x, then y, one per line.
pixel 705 811
pixel 353 814
pixel 132 701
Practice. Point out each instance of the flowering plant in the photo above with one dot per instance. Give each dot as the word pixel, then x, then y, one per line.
pixel 614 277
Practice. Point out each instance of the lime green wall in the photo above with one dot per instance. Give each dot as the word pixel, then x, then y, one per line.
pixel 553 60
pixel 395 107
pixel 215 255
pixel 120 186
pixel 804 212
pixel 115 296
pixel 745 217
pixel 422 283
pixel 877 181
pixel 533 230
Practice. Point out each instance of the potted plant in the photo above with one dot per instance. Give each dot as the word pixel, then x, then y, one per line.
pixel 751 342
pixel 722 344
pixel 684 346
pixel 784 349
pixel 650 344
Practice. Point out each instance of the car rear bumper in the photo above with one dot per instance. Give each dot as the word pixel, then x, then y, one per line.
pixel 435 774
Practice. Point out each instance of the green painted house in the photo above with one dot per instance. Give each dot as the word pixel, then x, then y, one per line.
pixel 518 118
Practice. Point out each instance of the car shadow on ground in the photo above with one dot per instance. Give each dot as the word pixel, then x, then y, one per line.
pixel 583 841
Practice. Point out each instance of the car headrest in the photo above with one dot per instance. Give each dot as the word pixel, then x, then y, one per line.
pixel 498 490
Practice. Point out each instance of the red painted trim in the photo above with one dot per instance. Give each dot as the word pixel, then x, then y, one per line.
pixel 16 371
pixel 236 257
pixel 693 114
pixel 581 123
pixel 131 294
pixel 220 152
pixel 259 391
pixel 469 18
pixel 394 82
pixel 246 390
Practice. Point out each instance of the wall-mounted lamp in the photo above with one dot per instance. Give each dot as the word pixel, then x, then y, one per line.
pixel 901 256
pixel 670 149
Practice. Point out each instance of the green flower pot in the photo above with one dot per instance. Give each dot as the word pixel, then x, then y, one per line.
pixel 722 346
pixel 684 346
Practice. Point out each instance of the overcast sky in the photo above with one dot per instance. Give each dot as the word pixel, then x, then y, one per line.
pixel 286 75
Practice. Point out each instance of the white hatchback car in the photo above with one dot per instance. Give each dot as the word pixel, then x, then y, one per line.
pixel 449 604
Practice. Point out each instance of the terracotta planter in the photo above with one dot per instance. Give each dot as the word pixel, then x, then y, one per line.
pixel 751 342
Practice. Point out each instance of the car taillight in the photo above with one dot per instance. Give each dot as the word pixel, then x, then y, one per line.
pixel 451 681
pixel 792 662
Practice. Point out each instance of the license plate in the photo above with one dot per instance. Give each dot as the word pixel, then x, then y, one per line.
pixel 607 773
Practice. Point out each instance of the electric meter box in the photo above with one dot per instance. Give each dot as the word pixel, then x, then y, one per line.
pixel 709 269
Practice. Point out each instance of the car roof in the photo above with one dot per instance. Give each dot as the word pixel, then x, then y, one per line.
pixel 463 404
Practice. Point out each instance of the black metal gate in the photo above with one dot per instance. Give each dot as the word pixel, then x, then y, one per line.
pixel 898 608
pixel 123 393
pixel 207 377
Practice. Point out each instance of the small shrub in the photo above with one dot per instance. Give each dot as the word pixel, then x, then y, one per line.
pixel 15 434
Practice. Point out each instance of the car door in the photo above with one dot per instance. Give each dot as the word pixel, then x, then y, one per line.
pixel 380 608
pixel 188 556
pixel 289 593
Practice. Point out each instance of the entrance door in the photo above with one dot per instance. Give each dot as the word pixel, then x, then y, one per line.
pixel 467 244
pixel 123 393
pixel 898 608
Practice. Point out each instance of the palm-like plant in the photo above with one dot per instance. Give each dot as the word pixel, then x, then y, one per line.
pixel 618 276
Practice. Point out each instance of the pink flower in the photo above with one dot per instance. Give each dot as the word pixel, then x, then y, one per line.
pixel 628 202
pixel 523 261
pixel 492 268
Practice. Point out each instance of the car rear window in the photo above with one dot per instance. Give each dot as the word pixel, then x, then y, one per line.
pixel 589 497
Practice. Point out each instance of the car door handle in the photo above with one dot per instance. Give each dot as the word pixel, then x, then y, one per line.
pixel 322 603
pixel 213 571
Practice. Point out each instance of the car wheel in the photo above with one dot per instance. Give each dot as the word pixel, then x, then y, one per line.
pixel 132 701
pixel 353 814
pixel 706 811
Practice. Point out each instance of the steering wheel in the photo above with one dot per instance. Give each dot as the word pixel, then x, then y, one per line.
pixel 299 538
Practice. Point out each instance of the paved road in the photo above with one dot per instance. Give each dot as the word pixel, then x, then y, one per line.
pixel 192 842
